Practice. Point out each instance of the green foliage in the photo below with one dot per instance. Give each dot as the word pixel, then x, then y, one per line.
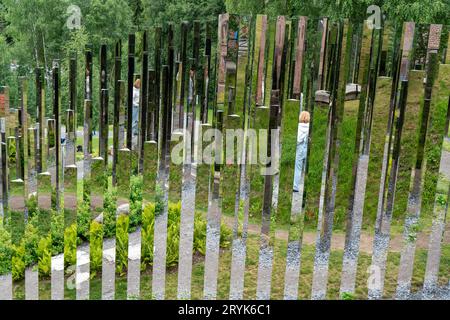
pixel 199 243
pixel 147 235
pixel 18 262
pixel 83 221
pixel 173 234
pixel 70 245
pixel 135 202
pixel 347 296
pixel 109 214
pixel 32 205
pixel 57 228
pixel 5 249
pixel 12 153
pixel 96 246
pixel 38 247
pixel 30 241
pixel 123 222
pixel 44 252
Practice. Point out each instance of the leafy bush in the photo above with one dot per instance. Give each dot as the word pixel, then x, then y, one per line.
pixel 12 153
pixel 147 235
pixel 18 262
pixel 44 252
pixel 32 205
pixel 109 215
pixel 83 221
pixel 136 184
pixel 39 244
pixel 70 245
pixel 96 247
pixel 31 241
pixel 5 250
pixel 57 228
pixel 173 234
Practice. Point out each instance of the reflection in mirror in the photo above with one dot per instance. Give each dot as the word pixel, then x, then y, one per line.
pixel 413 217
pixel 325 221
pixel 360 167
pixel 122 224
pixel 436 177
pixel 98 187
pixel 16 208
pixel 214 215
pixel 87 148
pixel 271 167
pixel 44 197
pixel 70 228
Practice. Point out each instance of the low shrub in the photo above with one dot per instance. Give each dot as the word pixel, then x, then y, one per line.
pixel 96 247
pixel 173 234
pixel 135 202
pixel 44 252
pixel 109 214
pixel 40 242
pixel 18 262
pixel 70 245
pixel 5 249
pixel 123 223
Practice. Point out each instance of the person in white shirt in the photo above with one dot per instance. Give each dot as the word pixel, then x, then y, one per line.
pixel 302 147
pixel 136 95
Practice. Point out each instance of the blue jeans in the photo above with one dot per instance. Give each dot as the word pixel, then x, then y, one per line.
pixel 300 157
pixel 135 120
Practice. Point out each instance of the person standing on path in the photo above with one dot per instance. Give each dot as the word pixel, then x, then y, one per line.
pixel 302 147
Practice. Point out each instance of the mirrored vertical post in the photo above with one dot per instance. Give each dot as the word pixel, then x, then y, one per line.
pixel 57 141
pixel 271 163
pixel 31 157
pixel 130 84
pixel 98 187
pixel 23 131
pixel 214 215
pixel 70 227
pixel 359 172
pixel 87 147
pixel 16 207
pixel 104 106
pixel 388 184
pixel 144 98
pixel 414 208
pixel 41 122
pixel 70 137
pixel 157 66
pixel 123 211
pixel 44 193
pixel 119 94
pixel 161 201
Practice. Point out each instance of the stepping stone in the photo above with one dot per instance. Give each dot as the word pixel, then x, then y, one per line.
pixel 322 97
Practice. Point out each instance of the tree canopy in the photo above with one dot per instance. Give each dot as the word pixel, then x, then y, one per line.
pixel 34 32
